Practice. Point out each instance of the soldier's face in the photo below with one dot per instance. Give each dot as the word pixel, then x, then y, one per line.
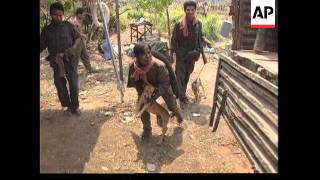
pixel 57 16
pixel 144 59
pixel 190 11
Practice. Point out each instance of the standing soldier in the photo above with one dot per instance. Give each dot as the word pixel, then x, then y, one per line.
pixel 81 50
pixel 61 39
pixel 186 43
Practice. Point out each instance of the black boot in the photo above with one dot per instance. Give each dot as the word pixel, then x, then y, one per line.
pixel 76 112
pixel 146 134
pixel 68 112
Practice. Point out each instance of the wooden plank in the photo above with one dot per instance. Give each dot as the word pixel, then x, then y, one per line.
pixel 245 18
pixel 258 136
pixel 229 119
pixel 245 3
pixel 265 103
pixel 246 47
pixel 213 110
pixel 246 8
pixel 253 160
pixel 247 64
pixel 246 40
pixel 269 131
pixel 251 55
pixel 269 62
pixel 262 159
pixel 255 103
pixel 248 31
pixel 237 17
pixel 258 121
pixel 266 97
pixel 259 80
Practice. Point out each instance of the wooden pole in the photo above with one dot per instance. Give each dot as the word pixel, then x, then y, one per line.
pixel 215 92
pixel 221 110
pixel 119 40
pixel 169 32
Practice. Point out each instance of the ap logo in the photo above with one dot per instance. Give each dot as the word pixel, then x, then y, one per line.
pixel 263 13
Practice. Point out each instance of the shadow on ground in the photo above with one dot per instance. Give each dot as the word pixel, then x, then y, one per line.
pixel 67 142
pixel 165 154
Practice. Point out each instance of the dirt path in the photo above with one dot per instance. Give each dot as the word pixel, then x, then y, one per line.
pixel 100 143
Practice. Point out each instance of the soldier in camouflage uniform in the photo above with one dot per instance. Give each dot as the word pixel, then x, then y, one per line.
pixel 81 50
pixel 61 39
pixel 149 70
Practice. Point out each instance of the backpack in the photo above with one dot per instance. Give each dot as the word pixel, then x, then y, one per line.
pixel 172 75
pixel 158 46
pixel 160 51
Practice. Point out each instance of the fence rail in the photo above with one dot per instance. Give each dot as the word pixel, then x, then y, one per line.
pixel 249 104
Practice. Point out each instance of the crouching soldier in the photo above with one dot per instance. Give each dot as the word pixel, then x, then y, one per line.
pixel 145 70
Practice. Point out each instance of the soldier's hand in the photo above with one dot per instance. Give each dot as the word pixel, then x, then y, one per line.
pixel 71 51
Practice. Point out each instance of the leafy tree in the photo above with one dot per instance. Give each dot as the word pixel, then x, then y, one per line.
pixel 156 7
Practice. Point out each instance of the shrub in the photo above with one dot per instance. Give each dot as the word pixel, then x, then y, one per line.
pixel 211 27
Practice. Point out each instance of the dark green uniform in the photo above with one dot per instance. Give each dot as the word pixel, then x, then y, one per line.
pixel 158 77
pixel 58 38
pixel 84 56
pixel 187 51
pixel 82 50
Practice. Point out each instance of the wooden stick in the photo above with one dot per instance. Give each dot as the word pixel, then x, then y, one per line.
pixel 223 104
pixel 213 110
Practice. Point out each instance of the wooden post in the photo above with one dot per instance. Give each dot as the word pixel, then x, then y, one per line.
pixel 213 110
pixel 119 40
pixel 137 28
pixel 222 107
pixel 169 31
